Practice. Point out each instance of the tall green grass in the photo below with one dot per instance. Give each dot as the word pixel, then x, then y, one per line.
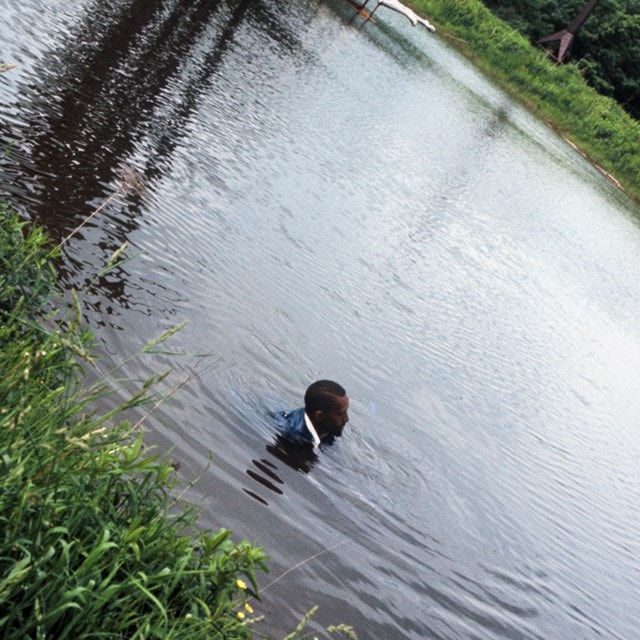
pixel 91 542
pixel 557 94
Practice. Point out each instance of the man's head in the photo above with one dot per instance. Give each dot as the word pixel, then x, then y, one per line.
pixel 327 405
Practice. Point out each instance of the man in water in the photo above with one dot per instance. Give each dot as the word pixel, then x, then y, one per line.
pixel 323 417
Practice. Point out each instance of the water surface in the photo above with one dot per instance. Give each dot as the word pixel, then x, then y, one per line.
pixel 327 198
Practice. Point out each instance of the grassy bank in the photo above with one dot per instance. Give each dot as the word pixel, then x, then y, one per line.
pixel 557 94
pixel 92 544
pixel 87 545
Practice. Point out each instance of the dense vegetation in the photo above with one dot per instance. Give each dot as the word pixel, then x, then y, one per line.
pixel 606 49
pixel 87 545
pixel 558 94
pixel 92 543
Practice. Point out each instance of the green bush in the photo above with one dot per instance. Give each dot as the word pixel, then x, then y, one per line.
pixel 26 270
pixel 92 544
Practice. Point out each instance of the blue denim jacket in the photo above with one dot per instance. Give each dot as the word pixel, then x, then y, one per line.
pixel 291 423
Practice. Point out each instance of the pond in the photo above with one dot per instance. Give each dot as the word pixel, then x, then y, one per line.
pixel 321 197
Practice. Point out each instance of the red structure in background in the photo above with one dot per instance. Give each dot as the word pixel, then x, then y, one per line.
pixel 566 35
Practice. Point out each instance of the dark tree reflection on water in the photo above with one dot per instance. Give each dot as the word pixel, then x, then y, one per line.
pixel 100 101
pixel 117 93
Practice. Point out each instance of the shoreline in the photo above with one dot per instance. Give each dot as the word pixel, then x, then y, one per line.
pixel 594 125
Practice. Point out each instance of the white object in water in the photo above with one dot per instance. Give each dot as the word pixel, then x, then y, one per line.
pixel 405 11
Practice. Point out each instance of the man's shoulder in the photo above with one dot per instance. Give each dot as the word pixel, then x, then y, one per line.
pixel 291 423
pixel 291 419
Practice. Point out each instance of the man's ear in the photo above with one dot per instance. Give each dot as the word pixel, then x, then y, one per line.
pixel 319 416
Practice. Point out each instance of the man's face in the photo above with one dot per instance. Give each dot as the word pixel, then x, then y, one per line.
pixel 333 421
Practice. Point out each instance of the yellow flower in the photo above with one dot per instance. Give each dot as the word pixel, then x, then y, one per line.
pixel 240 615
pixel 248 607
pixel 241 584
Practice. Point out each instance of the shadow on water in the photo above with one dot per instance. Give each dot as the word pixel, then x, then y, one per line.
pixel 117 93
pixel 299 456
pixel 116 96
pixel 95 101
pixel 100 102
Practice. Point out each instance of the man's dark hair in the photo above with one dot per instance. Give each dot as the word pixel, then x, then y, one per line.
pixel 321 395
